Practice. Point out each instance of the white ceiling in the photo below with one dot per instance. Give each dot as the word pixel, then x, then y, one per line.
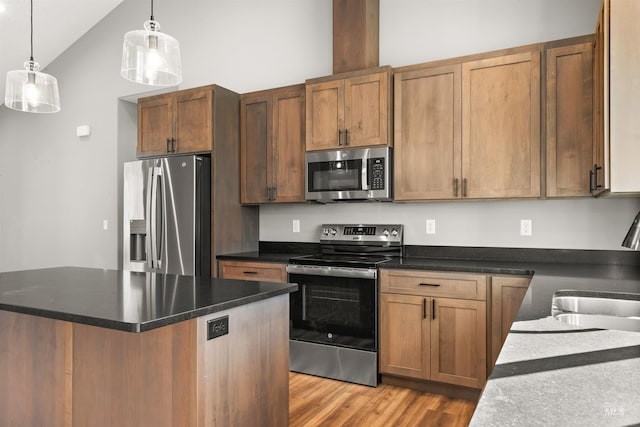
pixel 57 24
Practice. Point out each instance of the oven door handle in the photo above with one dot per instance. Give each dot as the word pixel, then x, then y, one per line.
pixel 330 271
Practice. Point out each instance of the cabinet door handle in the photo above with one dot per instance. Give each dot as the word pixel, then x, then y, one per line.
pixel 591 187
pixel 168 145
pixel 424 308
pixel 430 284
pixel 274 193
pixel 464 187
pixel 346 132
pixel 455 187
pixel 433 308
pixel 339 137
pixel 269 193
pixel 596 168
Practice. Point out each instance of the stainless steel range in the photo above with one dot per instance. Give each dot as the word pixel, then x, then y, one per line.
pixel 334 313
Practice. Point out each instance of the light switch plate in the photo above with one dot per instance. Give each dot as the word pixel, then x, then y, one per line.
pixel 296 225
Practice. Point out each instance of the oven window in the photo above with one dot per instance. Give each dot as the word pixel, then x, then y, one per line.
pixel 343 175
pixel 334 310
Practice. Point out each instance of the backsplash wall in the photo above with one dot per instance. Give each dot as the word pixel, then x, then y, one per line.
pixel 556 224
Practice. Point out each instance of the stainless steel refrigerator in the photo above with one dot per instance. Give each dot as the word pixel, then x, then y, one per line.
pixel 167 215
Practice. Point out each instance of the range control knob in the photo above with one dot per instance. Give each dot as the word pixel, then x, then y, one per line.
pixel 325 231
pixel 385 232
pixel 333 231
pixel 394 232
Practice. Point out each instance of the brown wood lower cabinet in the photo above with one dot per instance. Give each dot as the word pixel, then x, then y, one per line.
pixel 426 335
pixel 58 373
pixel 247 270
pixel 507 293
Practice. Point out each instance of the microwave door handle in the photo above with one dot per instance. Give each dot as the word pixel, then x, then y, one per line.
pixel 149 244
pixel 365 175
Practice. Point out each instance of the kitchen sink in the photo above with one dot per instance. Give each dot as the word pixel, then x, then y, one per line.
pixel 597 309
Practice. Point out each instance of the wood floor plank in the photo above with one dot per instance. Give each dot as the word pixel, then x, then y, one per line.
pixel 315 401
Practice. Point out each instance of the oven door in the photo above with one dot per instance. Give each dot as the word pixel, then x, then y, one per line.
pixel 339 309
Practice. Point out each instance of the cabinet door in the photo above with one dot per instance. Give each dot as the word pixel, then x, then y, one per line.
pixel 427 140
pixel 458 342
pixel 287 154
pixel 366 103
pixel 255 140
pixel 154 126
pixel 506 297
pixel 325 115
pixel 600 119
pixel 501 126
pixel 193 120
pixel 569 124
pixel 404 335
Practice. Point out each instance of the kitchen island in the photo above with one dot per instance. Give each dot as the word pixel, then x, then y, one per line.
pixel 90 347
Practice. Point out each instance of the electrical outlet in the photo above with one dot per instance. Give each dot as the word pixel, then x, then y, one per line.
pixel 296 226
pixel 431 226
pixel 105 224
pixel 525 227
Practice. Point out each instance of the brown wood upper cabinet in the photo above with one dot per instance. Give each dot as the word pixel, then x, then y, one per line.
pixel 468 129
pixel 569 121
pixel 501 126
pixel 176 122
pixel 272 145
pixel 617 99
pixel 348 110
pixel 433 326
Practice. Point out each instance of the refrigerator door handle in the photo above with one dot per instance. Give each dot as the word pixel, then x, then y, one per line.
pixel 153 218
pixel 149 243
pixel 160 225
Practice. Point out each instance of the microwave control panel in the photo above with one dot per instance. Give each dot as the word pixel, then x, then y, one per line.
pixel 376 166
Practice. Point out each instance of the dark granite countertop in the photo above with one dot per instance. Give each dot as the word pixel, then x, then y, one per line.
pixel 123 300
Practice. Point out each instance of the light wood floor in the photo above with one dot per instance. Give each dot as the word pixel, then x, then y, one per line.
pixel 315 401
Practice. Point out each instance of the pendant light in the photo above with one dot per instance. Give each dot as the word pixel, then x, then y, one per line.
pixel 151 57
pixel 30 90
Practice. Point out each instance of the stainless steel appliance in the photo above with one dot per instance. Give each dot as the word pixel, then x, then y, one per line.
pixel 350 174
pixel 167 215
pixel 334 314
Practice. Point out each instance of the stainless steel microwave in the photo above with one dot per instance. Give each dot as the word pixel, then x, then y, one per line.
pixel 349 174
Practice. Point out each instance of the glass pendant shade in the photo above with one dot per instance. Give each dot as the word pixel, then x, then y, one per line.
pixel 31 91
pixel 151 57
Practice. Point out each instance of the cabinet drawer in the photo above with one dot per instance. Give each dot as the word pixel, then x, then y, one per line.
pixel 242 270
pixel 434 283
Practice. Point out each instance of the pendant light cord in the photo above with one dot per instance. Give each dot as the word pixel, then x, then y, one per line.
pixel 151 10
pixel 31 58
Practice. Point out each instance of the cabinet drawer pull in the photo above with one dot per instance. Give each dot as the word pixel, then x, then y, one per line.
pixel 249 272
pixel 430 284
pixel 424 308
pixel 433 308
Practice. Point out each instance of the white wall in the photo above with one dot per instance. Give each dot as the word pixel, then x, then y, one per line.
pixel 56 189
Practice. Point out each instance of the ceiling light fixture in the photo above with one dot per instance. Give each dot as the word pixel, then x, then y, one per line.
pixel 30 90
pixel 151 57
